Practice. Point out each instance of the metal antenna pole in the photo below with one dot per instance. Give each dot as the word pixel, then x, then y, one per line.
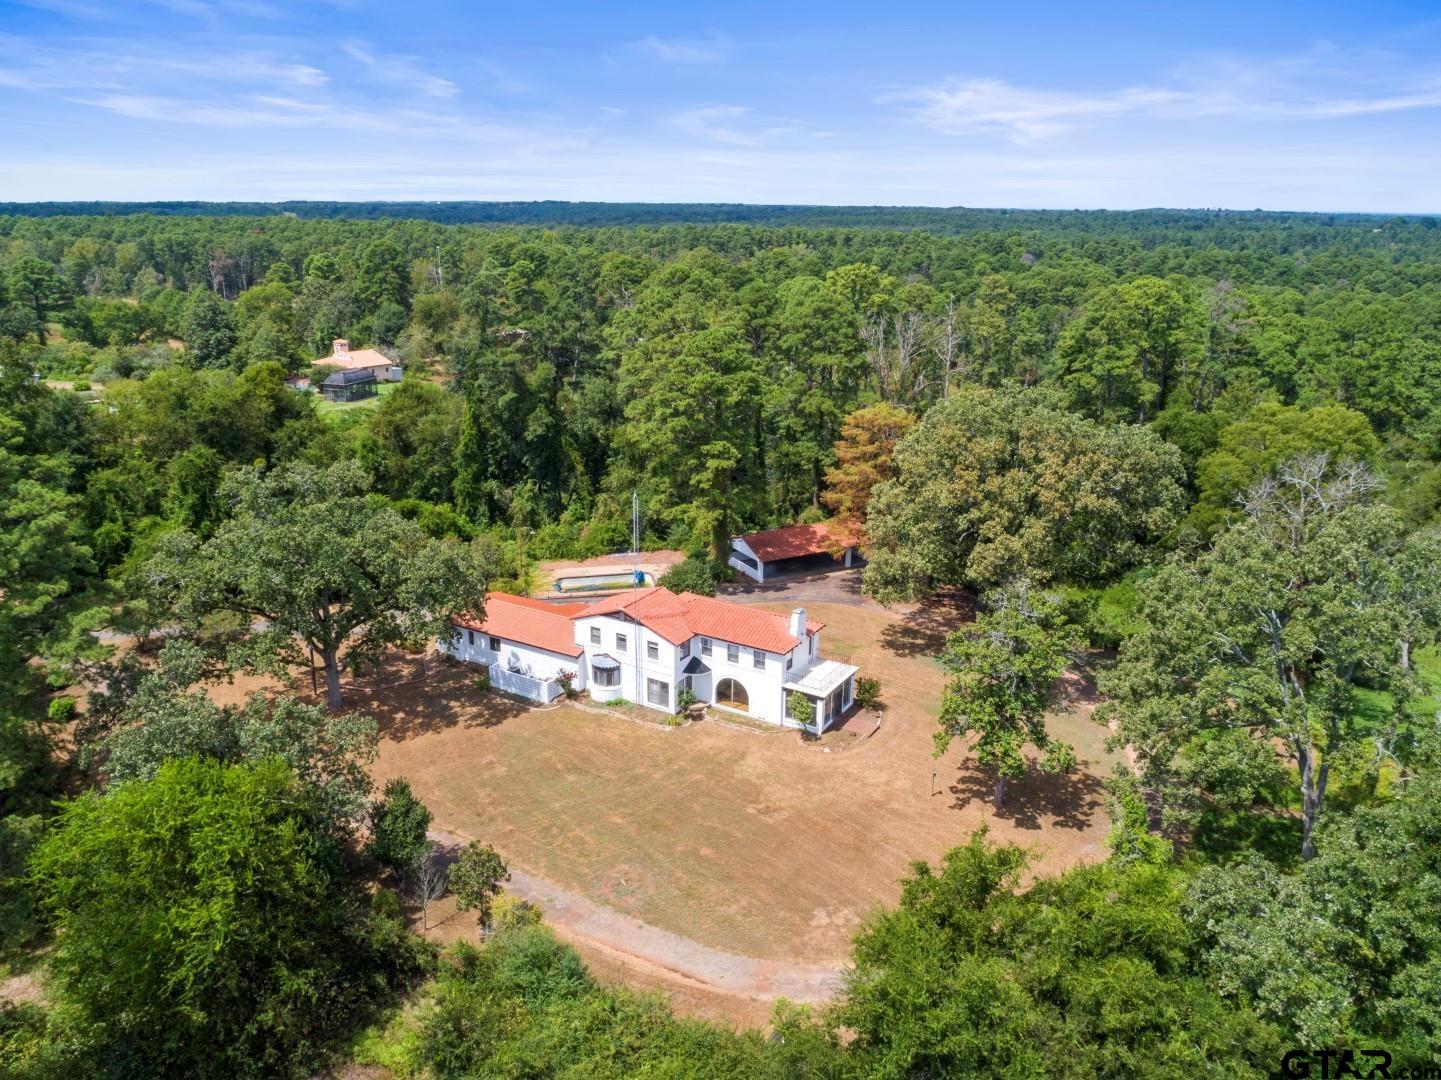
pixel 635 585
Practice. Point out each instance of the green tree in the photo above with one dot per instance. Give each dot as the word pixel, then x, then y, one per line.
pixel 1345 949
pixel 1267 632
pixel 205 925
pixel 689 433
pixel 398 823
pixel 1131 839
pixel 147 716
pixel 1253 448
pixel 993 484
pixel 37 285
pixel 1004 668
pixel 799 708
pixel 695 574
pixel 383 276
pixel 307 558
pixel 1129 345
pixel 208 330
pixel 476 879
pixel 1086 974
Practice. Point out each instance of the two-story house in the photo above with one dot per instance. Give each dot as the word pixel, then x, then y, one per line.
pixel 648 645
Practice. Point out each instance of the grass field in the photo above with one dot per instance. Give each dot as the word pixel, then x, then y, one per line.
pixel 760 844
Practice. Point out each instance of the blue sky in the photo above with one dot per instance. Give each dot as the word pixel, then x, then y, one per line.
pixel 1315 106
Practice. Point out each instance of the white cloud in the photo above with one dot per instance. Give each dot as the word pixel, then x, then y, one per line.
pixel 1022 113
pixel 1322 85
pixel 399 70
pixel 714 122
pixel 711 50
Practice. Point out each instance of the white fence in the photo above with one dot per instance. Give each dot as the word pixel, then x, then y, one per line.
pixel 532 689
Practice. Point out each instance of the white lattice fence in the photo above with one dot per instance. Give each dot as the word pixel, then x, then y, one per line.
pixel 513 682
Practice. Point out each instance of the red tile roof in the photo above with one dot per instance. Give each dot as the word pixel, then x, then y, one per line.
pixel 795 540
pixel 527 621
pixel 679 617
pixel 355 360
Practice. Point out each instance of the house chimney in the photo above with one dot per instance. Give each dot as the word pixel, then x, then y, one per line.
pixel 798 623
pixel 341 346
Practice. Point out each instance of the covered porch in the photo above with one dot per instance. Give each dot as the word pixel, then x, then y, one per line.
pixel 831 688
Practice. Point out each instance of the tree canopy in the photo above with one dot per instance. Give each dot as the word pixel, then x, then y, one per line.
pixel 994 484
pixel 306 558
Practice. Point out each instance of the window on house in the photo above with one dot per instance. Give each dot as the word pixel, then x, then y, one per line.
pixel 705 646
pixel 595 635
pixel 684 649
pixel 652 650
pixel 790 661
pixel 758 658
pixel 620 642
pixel 733 653
pixel 470 637
pixel 605 676
pixel 657 693
pixel 495 644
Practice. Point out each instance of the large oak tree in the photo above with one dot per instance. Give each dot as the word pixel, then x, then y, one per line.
pixel 307 558
pixel 995 484
pixel 1268 633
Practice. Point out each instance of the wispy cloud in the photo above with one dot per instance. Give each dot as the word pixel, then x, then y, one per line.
pixel 709 50
pixel 399 70
pixel 1316 87
pixel 714 122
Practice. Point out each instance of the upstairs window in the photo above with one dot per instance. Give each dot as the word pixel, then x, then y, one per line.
pixel 470 637
pixel 684 649
pixel 620 642
pixel 758 658
pixel 733 653
pixel 652 650
pixel 595 635
pixel 495 644
pixel 705 649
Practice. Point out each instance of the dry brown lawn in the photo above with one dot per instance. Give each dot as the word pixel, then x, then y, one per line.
pixel 759 844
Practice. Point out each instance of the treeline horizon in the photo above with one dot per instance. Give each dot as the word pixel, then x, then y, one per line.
pixel 597 213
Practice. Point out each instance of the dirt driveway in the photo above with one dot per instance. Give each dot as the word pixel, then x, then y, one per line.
pixel 755 844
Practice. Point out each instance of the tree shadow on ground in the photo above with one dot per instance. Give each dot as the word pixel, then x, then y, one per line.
pixel 1069 800
pixel 446 697
pixel 924 630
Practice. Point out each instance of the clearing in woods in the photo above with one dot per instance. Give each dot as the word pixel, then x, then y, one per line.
pixel 758 844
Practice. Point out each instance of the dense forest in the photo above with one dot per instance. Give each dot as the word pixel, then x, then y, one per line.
pixel 1202 449
pixel 557 213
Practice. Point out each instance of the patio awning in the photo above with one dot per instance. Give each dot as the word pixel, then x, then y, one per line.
pixel 818 680
pixel 602 662
pixel 695 667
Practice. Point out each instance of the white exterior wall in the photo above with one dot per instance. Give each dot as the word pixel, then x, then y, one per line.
pixel 765 688
pixel 767 699
pixel 537 663
pixel 756 573
pixel 632 682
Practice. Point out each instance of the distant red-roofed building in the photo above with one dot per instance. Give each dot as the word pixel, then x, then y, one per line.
pixel 647 645
pixel 826 545
pixel 344 358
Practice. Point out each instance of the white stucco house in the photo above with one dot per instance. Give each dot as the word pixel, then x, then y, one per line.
pixel 647 645
pixel 826 545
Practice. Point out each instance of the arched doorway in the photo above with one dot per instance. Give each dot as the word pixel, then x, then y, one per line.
pixel 732 695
